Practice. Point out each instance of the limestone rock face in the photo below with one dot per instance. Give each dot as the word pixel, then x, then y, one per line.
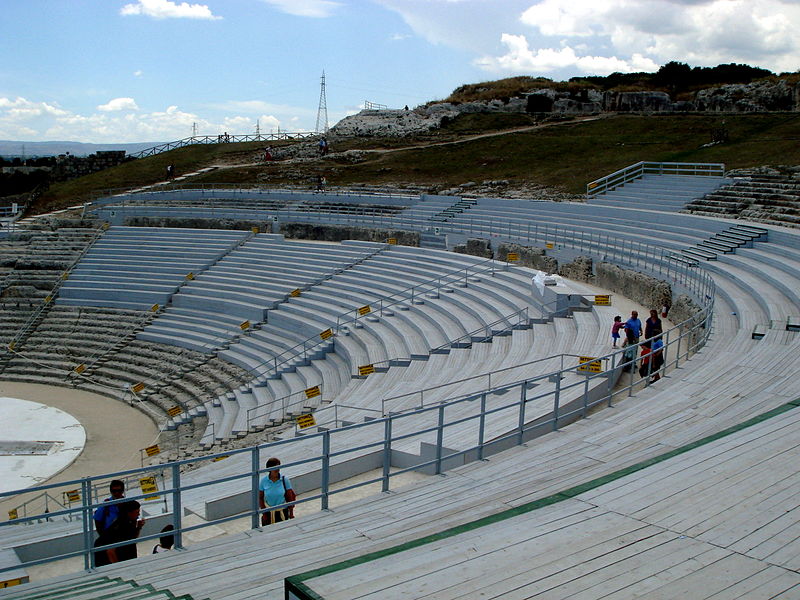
pixel 647 290
pixel 757 96
pixel 535 258
pixel 580 269
pixel 637 101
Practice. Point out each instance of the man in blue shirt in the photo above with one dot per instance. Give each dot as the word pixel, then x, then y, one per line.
pixel 275 490
pixel 104 516
pixel 634 325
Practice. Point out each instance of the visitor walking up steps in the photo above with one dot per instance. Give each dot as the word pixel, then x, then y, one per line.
pixel 275 489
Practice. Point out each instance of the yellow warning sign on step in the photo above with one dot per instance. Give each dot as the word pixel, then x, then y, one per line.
pixel 72 496
pixel 138 387
pixel 306 421
pixel 313 392
pixel 392 241
pixel 602 300
pixel 512 257
pixel 12 514
pixel 364 370
pixel 190 276
pixel 364 310
pixel 589 364
pixel 80 368
pixel 549 245
pixel 174 411
pixel 295 292
pixel 326 334
pixel 148 485
pixel 153 450
pixel 154 308
pixel 244 325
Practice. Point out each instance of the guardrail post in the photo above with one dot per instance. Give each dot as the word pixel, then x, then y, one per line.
pixel 585 396
pixel 326 465
pixel 610 378
pixel 556 401
pixel 177 506
pixel 521 420
pixel 439 440
pixel 482 426
pixel 86 514
pixel 255 517
pixel 387 453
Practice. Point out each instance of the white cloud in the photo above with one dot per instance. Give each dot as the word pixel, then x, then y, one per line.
pixel 118 104
pixel 521 59
pixel 396 37
pixel 22 119
pixel 306 8
pixel 138 73
pixel 556 17
pixel 166 9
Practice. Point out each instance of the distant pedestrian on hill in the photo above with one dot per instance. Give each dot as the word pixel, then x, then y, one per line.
pixel 652 326
pixel 321 182
pixel 165 542
pixel 267 154
pixel 126 526
pixel 275 489
pixel 634 326
pixel 615 327
pixel 170 171
pixel 323 146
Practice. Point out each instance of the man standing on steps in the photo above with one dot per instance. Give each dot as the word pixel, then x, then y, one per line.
pixel 105 515
pixel 634 325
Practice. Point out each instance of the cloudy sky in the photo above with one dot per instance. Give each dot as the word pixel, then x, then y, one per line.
pixel 147 70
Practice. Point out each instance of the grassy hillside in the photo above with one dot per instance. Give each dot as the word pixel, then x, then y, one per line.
pixel 564 155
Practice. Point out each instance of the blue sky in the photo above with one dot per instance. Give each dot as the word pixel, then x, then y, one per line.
pixel 146 70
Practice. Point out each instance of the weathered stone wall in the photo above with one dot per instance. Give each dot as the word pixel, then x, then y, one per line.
pixel 198 223
pixel 580 269
pixel 475 247
pixel 535 258
pixel 644 289
pixel 338 233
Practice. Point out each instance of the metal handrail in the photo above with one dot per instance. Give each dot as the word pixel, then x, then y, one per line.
pixel 637 170
pixel 221 139
pixel 680 343
pixel 569 400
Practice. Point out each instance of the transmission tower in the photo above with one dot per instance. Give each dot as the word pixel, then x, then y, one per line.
pixel 322 111
pixel 194 129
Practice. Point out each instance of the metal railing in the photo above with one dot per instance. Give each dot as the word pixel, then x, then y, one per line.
pixel 223 138
pixel 637 170
pixel 484 422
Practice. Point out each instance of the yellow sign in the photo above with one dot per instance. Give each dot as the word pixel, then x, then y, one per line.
pixel 137 387
pixel 602 300
pixel 11 345
pixel 152 450
pixel 244 325
pixel 174 411
pixel 12 514
pixel 106 225
pixel 219 458
pixel 47 299
pixel 148 485
pixel 254 229
pixel 549 245
pixel 593 185
pixel 326 334
pixel 65 275
pixel 364 310
pixel 154 308
pixel 72 496
pixel 366 369
pixel 10 582
pixel 589 364
pixel 392 241
pixel 313 392
pixel 295 293
pixel 512 257
pixel 306 421
pixel 80 368
pixel 190 276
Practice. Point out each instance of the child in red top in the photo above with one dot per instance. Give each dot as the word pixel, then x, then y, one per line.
pixel 615 327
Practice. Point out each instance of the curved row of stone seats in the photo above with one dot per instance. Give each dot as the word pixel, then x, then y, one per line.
pixel 137 267
pixel 764 199
pixel 248 282
pixel 666 193
pixel 396 334
pixel 343 207
pixel 55 248
pixel 573 547
pixel 519 217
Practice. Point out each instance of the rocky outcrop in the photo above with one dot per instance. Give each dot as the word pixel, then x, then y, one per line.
pixel 758 96
pixel 535 258
pixel 338 233
pixel 475 247
pixel 644 289
pixel 579 269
